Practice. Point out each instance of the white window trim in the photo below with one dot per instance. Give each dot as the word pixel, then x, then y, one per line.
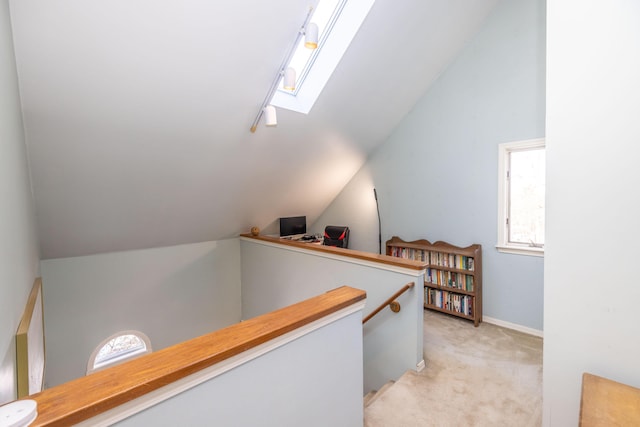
pixel 503 245
pixel 91 367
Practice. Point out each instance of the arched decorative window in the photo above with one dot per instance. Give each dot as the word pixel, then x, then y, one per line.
pixel 118 348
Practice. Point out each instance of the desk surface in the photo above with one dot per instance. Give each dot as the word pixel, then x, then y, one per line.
pixel 305 238
pixel 608 403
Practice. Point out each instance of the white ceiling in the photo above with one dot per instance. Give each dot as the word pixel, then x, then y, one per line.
pixel 137 112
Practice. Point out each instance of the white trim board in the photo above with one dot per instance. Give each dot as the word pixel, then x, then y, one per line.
pixel 514 326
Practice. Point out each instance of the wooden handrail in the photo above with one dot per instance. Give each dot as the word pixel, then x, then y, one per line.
pixel 89 396
pixel 388 301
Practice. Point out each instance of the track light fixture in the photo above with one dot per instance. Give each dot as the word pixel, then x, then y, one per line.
pixel 311 36
pixel 270 118
pixel 287 73
pixel 289 79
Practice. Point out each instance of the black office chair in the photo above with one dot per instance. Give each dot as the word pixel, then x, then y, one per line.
pixel 336 235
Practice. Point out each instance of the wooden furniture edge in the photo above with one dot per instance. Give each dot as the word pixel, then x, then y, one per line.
pixel 22 354
pixel 607 402
pixel 438 246
pixel 349 253
pixel 451 312
pixel 88 396
pixel 25 322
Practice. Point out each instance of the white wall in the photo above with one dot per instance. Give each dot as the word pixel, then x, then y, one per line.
pixel 315 380
pixel 274 276
pixel 436 176
pixel 171 294
pixel 592 291
pixel 18 239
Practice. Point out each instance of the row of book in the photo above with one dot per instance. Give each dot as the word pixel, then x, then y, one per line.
pixel 450 279
pixel 439 259
pixel 460 262
pixel 449 301
pixel 410 253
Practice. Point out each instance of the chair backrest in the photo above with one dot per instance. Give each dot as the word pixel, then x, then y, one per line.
pixel 336 235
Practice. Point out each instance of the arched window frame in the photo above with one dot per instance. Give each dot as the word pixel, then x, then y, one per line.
pixel 129 355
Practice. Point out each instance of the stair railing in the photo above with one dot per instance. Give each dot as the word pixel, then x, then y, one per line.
pixel 113 394
pixel 391 302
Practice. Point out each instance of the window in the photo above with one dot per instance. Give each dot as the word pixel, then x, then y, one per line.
pixel 118 348
pixel 521 197
pixel 338 22
pixel 324 16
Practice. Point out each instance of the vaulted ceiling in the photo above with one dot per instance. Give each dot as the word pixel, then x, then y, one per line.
pixel 137 112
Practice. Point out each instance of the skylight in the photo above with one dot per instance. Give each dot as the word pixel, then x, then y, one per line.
pixel 324 17
pixel 338 22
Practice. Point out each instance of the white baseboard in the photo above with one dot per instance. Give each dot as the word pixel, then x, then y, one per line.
pixel 420 366
pixel 514 326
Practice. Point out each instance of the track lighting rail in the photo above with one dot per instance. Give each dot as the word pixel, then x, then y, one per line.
pixel 281 71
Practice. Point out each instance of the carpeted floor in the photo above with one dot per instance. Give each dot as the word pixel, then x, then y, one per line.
pixel 484 376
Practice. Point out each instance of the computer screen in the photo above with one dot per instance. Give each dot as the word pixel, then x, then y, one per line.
pixel 293 225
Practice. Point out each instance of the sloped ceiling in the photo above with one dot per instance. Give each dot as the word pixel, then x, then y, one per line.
pixel 137 113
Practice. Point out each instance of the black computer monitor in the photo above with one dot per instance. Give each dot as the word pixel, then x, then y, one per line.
pixel 293 225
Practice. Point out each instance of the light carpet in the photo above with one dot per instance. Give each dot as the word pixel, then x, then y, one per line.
pixel 484 376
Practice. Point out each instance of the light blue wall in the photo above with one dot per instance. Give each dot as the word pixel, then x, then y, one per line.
pixel 18 238
pixel 274 276
pixel 313 381
pixel 436 176
pixel 171 294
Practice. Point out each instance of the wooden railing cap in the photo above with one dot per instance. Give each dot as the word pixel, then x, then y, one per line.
pixel 86 397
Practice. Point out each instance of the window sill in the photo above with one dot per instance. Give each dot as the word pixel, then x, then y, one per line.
pixel 521 250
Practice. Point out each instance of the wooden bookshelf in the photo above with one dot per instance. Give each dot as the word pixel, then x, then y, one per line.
pixel 453 280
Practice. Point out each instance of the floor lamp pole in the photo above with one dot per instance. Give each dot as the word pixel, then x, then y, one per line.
pixel 375 194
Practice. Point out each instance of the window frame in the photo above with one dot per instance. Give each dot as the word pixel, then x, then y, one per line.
pixel 504 150
pixel 115 360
